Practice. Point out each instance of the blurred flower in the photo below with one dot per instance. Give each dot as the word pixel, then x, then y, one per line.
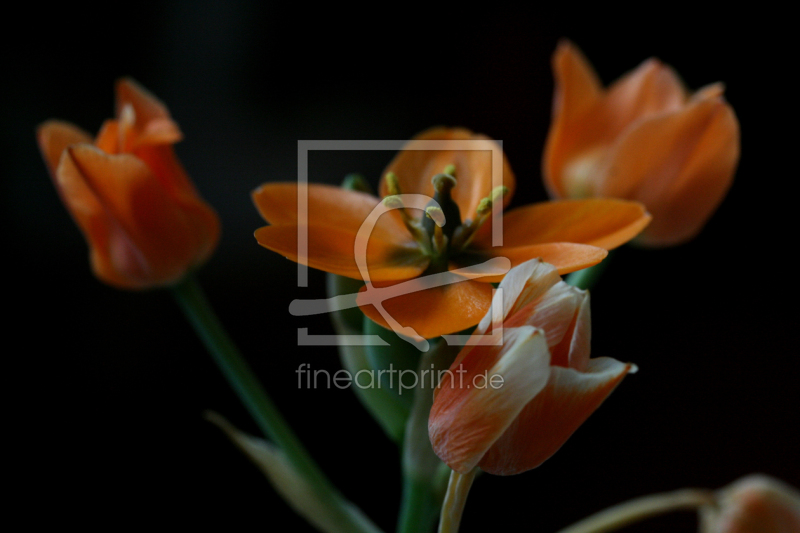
pixel 144 221
pixel 508 408
pixel 404 244
pixel 754 504
pixel 645 139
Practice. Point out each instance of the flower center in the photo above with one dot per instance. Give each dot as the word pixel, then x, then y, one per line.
pixel 441 234
pixel 581 174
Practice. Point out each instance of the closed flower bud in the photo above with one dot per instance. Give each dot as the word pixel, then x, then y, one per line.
pixel 144 221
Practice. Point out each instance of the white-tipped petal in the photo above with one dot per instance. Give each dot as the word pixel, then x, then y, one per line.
pixel 522 285
pixel 484 395
pixel 553 415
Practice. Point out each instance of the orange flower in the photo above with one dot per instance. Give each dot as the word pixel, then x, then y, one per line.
pixel 144 221
pixel 645 139
pixel 569 234
pixel 508 408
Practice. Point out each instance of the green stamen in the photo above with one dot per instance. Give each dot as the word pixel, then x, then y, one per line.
pixel 393 202
pixel 466 232
pixel 414 227
pixel 439 240
pixel 436 214
pixel 498 193
pixel 392 183
pixel 484 207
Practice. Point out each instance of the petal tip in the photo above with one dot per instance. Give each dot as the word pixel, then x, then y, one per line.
pixel 565 47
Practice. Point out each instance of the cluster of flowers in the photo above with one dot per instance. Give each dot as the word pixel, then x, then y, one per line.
pixel 642 160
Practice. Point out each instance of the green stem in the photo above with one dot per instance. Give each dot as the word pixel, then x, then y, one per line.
pixel 420 507
pixel 422 491
pixel 198 311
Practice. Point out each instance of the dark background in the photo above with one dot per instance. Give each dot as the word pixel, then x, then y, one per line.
pixel 105 390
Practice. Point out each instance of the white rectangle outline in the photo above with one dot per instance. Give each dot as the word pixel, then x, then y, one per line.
pixel 305 146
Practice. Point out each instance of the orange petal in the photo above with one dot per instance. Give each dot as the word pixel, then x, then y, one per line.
pixel 580 134
pixel 577 89
pixel 577 85
pixel 108 138
pixel 165 166
pixel 469 413
pixel 522 285
pixel 54 136
pixel 555 313
pixel 415 167
pixel 332 249
pixel 712 90
pixel 430 311
pixel 573 351
pixel 159 241
pixel 114 256
pixel 152 122
pixel 534 295
pixel 565 256
pixel 168 170
pixel 651 89
pixel 145 104
pixel 329 206
pixel 602 222
pixel 551 417
pixel 680 165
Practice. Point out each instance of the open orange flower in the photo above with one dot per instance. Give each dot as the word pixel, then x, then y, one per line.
pixel 507 408
pixel 405 245
pixel 144 221
pixel 645 138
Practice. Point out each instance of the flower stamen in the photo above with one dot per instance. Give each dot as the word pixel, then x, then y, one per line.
pixel 439 238
pixel 392 183
pixel 414 226
pixel 465 233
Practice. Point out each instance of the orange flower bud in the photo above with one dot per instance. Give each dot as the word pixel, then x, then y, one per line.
pixel 144 221
pixel 645 139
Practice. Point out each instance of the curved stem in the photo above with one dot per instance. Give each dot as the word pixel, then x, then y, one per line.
pixel 198 311
pixel 455 500
pixel 640 508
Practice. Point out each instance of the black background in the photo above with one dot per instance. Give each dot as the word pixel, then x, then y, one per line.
pixel 105 390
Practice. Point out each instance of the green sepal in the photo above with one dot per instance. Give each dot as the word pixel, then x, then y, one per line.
pixel 356 182
pixel 395 364
pixel 383 405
